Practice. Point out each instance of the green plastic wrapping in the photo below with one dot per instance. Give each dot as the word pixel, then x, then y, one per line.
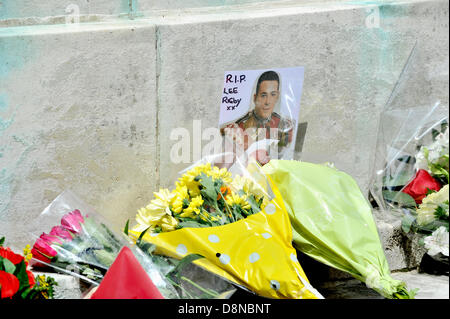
pixel 332 222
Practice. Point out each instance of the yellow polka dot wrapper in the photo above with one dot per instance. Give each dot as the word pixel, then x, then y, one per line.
pixel 254 251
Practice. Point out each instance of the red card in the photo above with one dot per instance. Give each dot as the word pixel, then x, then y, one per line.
pixel 126 279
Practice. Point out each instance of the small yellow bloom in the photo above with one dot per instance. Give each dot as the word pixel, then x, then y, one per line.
pixel 193 209
pixel 181 193
pixel 168 223
pixel 153 214
pixel 27 253
pixel 220 173
pixel 42 282
pixel 235 199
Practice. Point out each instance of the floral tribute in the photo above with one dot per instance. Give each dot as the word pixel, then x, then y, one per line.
pixel 430 191
pixel 79 244
pixel 17 281
pixel 236 224
pixel 426 196
pixel 204 196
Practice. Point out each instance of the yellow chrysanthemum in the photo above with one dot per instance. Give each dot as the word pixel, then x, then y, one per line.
pixel 181 193
pixel 188 178
pixel 193 209
pixel 425 212
pixel 248 186
pixel 220 173
pixel 168 223
pixel 152 215
pixel 235 199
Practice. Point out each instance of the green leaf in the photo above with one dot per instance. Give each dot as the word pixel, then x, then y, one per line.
pixel 8 266
pixel 237 213
pixel 182 263
pixel 148 248
pixel 441 212
pixel 407 221
pixel 400 179
pixel 209 189
pixel 254 204
pixel 126 227
pixel 27 293
pixel 422 241
pixel 2 240
pixel 21 274
pixel 138 242
pixel 399 198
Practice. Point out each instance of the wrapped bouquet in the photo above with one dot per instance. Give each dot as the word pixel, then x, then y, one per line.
pixel 85 246
pixel 237 222
pixel 333 223
pixel 411 168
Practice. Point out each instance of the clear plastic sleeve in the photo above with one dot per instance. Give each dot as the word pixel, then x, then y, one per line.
pixel 411 167
pixel 82 244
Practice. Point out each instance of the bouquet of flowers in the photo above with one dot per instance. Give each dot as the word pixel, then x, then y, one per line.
pixel 411 167
pixel 237 223
pixel 78 244
pixel 332 223
pixel 84 245
pixel 17 281
pixel 427 212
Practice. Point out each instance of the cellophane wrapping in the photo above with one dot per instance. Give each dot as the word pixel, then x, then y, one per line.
pixel 83 243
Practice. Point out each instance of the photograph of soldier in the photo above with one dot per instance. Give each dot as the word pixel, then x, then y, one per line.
pixel 262 122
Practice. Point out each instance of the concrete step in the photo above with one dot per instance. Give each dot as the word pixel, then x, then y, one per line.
pixel 430 287
pixel 69 287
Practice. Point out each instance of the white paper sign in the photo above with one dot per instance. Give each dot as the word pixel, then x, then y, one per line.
pixel 268 98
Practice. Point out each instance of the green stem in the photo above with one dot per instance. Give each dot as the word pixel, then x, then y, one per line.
pixel 199 287
pixel 228 208
pixel 179 286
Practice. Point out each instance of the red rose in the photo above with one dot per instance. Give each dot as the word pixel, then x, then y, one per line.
pixel 50 239
pixel 420 185
pixel 72 221
pixel 38 256
pixel 61 232
pixel 42 250
pixel 10 255
pixel 9 284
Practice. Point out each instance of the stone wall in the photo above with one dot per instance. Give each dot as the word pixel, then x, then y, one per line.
pixel 90 106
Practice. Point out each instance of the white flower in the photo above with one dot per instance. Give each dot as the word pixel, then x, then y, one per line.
pixel 437 242
pixel 437 149
pixel 425 212
pixel 442 139
pixel 421 161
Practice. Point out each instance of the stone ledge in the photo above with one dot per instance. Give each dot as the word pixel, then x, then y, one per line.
pixel 430 287
pixel 68 287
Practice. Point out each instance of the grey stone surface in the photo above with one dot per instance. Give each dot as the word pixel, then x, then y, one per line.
pixel 350 70
pixel 78 111
pixel 402 250
pixel 68 287
pixel 430 287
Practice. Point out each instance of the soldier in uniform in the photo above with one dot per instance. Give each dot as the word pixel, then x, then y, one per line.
pixel 262 117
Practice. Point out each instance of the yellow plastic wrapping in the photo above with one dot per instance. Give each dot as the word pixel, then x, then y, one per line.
pixel 255 252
